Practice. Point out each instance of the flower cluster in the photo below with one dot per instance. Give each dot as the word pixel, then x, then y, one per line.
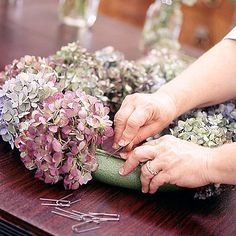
pixel 27 64
pixel 123 77
pixel 77 69
pixel 228 110
pixel 203 129
pixel 59 140
pixel 163 65
pixel 19 96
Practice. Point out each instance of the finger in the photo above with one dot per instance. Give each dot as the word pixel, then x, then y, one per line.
pixel 146 176
pixel 136 120
pixel 124 155
pixel 144 133
pixel 145 183
pixel 155 142
pixel 133 158
pixel 120 121
pixel 158 180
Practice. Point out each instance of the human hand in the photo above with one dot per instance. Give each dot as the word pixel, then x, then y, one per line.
pixel 176 162
pixel 142 116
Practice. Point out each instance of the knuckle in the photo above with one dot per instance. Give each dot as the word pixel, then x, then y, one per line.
pixel 167 138
pixel 130 97
pixel 134 95
pixel 162 148
pixel 154 184
pixel 118 118
pixel 144 172
pixel 137 150
pixel 138 139
pixel 128 165
pixel 144 181
pixel 157 182
pixel 132 123
pixel 148 107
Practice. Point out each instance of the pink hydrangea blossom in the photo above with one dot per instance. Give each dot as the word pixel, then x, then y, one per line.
pixel 59 140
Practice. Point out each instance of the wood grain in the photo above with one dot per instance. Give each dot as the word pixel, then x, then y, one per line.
pixel 34 29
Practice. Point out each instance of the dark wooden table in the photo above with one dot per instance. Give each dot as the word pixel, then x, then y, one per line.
pixel 31 27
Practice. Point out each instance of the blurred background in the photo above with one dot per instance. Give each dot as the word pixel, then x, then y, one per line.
pixel 131 26
pixel 204 23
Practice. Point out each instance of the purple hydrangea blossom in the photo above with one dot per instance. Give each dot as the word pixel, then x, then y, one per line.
pixel 228 110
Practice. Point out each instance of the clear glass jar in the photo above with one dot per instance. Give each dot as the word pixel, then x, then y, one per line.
pixel 79 13
pixel 162 25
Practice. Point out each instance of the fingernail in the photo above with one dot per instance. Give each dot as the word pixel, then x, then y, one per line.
pixel 123 143
pixel 143 191
pixel 115 146
pixel 123 155
pixel 121 171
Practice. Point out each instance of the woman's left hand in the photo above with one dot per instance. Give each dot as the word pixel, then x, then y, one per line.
pixel 175 161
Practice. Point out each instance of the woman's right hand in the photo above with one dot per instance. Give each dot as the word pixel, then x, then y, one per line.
pixel 141 116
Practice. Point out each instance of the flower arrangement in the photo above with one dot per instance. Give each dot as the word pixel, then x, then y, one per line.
pixel 55 112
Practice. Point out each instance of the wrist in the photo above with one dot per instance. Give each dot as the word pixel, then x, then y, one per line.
pixel 212 166
pixel 167 104
pixel 177 98
pixel 222 164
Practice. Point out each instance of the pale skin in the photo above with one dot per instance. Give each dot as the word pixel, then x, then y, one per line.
pixel 209 80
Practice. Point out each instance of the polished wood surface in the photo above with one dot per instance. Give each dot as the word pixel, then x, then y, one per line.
pixel 32 27
pixel 35 30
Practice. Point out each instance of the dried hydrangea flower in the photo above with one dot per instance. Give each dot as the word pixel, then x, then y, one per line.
pixel 121 77
pixel 164 63
pixel 59 140
pixel 228 110
pixel 209 131
pixel 19 96
pixel 77 68
pixel 110 77
pixel 27 64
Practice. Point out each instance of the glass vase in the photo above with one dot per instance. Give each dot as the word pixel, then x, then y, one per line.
pixel 79 13
pixel 162 25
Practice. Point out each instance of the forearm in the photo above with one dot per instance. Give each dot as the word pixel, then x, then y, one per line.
pixel 222 166
pixel 209 80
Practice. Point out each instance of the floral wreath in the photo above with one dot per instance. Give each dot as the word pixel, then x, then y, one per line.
pixel 58 111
